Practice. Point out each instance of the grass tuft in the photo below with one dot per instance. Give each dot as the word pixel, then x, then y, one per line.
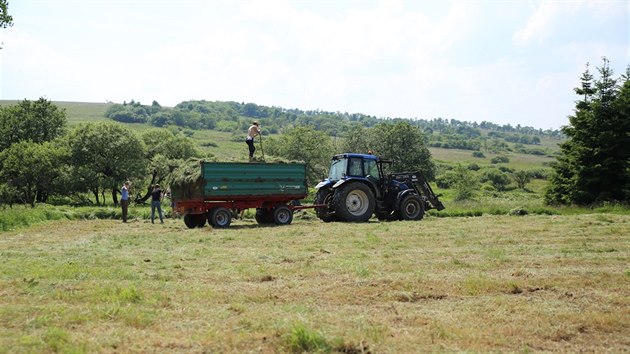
pixel 301 339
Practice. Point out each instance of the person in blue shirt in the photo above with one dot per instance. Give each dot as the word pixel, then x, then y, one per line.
pixel 124 200
pixel 156 203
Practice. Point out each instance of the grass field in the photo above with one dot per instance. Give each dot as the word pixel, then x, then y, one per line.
pixel 490 283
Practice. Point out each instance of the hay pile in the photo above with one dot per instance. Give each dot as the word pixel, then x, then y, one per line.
pixel 186 173
pixel 275 159
pixel 185 180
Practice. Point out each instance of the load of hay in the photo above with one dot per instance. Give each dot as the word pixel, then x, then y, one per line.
pixel 185 180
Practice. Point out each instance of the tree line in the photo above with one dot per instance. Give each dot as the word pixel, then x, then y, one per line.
pixel 40 157
pixel 235 117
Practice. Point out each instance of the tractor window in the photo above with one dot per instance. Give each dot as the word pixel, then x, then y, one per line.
pixel 355 167
pixel 371 169
pixel 337 169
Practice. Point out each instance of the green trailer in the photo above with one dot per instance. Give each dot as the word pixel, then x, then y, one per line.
pixel 224 189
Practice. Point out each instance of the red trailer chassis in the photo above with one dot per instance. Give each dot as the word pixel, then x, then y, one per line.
pixel 270 209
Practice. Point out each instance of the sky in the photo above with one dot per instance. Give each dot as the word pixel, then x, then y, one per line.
pixel 505 62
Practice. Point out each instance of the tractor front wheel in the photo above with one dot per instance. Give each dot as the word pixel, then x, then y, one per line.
pixel 354 202
pixel 411 208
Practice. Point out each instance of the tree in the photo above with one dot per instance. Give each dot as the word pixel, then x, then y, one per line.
pixel 304 144
pixel 593 165
pixel 355 139
pixel 104 155
pixel 30 169
pixel 6 20
pixel 404 145
pixel 165 150
pixel 37 121
pixel 464 182
pixel 522 177
pixel 169 144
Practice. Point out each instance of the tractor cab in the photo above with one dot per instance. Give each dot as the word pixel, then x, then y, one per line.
pixel 346 166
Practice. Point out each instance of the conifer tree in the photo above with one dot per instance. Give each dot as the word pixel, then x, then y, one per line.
pixel 593 165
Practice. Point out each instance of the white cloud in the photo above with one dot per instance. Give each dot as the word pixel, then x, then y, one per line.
pixel 540 24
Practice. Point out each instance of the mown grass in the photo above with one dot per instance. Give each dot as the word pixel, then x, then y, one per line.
pixel 489 283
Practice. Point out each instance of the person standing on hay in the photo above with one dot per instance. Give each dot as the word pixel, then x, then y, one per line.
pixel 252 132
pixel 124 199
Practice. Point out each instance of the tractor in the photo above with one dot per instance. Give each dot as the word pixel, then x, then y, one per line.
pixel 357 188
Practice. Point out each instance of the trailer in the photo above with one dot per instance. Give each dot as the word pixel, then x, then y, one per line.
pixel 225 189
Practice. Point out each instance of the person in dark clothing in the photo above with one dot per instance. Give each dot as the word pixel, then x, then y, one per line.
pixel 156 203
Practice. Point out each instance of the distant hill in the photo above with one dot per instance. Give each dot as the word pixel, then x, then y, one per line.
pixel 234 118
pixel 77 112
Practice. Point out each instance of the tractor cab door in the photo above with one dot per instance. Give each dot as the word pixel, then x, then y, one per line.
pixel 373 174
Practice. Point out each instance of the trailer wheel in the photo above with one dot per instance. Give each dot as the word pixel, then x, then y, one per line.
pixel 282 215
pixel 354 202
pixel 324 196
pixel 190 221
pixel 209 218
pixel 411 208
pixel 194 220
pixel 221 217
pixel 263 216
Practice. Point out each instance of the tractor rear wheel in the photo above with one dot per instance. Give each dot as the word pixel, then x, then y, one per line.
pixel 354 202
pixel 324 196
pixel 411 208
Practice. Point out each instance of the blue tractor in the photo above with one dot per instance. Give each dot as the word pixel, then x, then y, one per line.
pixel 357 187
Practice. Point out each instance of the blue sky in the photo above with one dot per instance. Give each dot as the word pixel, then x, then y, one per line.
pixel 513 62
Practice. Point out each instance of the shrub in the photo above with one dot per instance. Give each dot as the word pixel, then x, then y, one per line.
pixel 518 212
pixel 478 154
pixel 521 178
pixel 499 159
pixel 465 183
pixel 446 180
pixel 498 179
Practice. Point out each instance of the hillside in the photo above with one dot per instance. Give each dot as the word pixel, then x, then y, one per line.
pixel 225 123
